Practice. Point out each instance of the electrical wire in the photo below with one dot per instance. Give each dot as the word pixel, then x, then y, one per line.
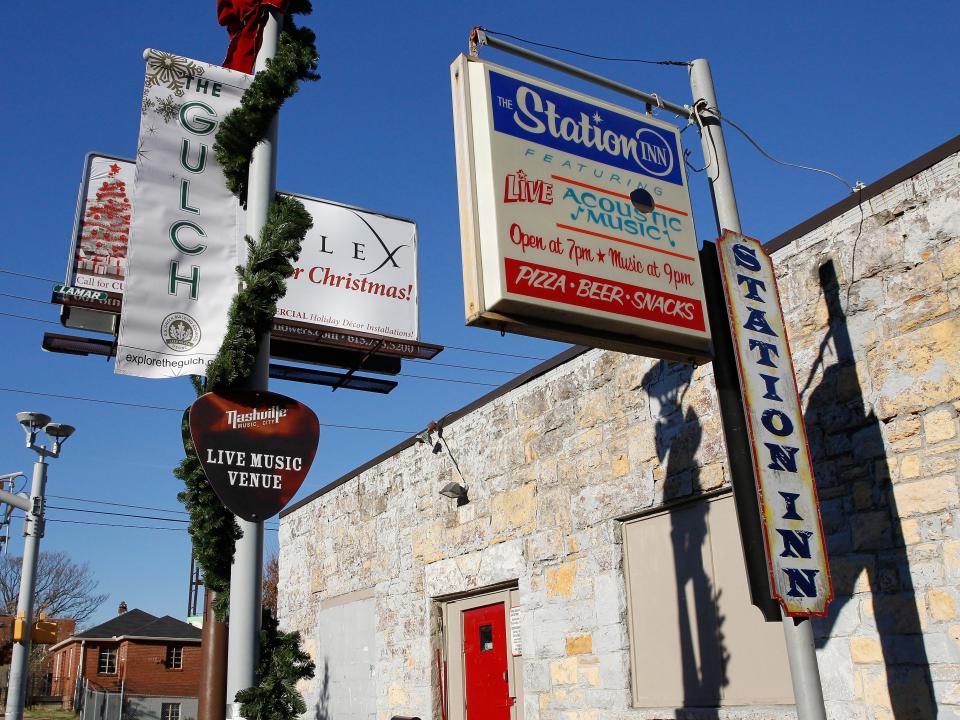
pixel 446 347
pixel 180 410
pixel 116 504
pixel 116 514
pixel 24 297
pixel 494 352
pixel 452 380
pixel 461 348
pixel 731 123
pixel 27 317
pixel 139 527
pixel 683 63
pixel 25 275
pixel 465 367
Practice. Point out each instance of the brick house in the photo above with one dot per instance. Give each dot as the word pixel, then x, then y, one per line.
pixel 595 571
pixel 149 664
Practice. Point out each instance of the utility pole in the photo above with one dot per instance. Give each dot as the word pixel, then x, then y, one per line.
pixel 247 571
pixel 32 424
pixel 804 673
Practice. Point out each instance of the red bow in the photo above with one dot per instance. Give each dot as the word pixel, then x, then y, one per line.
pixel 245 20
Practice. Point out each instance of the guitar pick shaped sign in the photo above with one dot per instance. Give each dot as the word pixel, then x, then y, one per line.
pixel 256 448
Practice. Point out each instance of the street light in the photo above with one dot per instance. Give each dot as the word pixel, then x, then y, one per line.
pixel 33 424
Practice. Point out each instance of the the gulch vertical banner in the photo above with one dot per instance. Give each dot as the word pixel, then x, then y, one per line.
pixel 187 226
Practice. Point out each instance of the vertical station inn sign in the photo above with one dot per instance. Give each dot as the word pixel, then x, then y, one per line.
pixel 786 488
pixel 552 244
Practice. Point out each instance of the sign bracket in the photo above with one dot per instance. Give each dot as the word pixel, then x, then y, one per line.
pixel 478 37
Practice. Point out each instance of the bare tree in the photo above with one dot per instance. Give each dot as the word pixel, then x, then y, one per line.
pixel 271 578
pixel 64 588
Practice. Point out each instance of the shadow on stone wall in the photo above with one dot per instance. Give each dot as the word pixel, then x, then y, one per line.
pixel 678 437
pixel 860 517
pixel 322 706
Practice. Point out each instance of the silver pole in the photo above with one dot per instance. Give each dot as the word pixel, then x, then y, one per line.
pixel 804 673
pixel 649 98
pixel 33 531
pixel 247 570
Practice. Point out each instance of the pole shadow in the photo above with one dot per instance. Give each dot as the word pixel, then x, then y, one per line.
pixel 860 517
pixel 322 707
pixel 678 435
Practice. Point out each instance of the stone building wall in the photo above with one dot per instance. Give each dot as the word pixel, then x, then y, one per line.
pixel 555 464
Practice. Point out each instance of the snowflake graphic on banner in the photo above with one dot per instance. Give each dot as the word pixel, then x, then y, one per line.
pixel 170 71
pixel 167 109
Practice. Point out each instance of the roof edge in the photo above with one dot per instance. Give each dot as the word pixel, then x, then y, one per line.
pixel 925 161
pixel 119 638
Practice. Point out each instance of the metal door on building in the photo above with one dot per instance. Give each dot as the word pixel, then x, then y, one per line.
pixel 485 663
pixel 481 675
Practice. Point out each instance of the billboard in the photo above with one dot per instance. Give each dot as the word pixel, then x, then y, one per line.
pixel 101 234
pixel 355 286
pixel 783 470
pixel 552 243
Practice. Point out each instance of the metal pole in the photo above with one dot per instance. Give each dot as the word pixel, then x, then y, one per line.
pixel 649 98
pixel 33 531
pixel 807 690
pixel 212 702
pixel 247 571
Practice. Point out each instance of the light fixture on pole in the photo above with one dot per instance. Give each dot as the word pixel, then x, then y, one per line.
pixel 33 423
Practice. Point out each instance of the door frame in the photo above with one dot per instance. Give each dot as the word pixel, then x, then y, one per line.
pixel 452 617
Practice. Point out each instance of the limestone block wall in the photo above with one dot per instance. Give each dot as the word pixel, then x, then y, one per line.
pixel 553 465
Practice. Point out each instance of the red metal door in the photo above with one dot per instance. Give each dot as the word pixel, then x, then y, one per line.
pixel 485 663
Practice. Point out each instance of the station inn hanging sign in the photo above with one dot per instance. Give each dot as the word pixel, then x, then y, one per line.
pixel 786 487
pixel 552 244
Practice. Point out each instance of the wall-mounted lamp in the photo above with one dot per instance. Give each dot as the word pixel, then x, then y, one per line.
pixel 457 491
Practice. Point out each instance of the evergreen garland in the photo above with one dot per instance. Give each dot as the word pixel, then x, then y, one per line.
pixel 282 664
pixel 269 263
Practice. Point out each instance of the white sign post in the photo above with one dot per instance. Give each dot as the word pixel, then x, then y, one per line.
pixel 552 243
pixel 786 487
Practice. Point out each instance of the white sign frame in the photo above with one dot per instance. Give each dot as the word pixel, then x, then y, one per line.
pixel 589 298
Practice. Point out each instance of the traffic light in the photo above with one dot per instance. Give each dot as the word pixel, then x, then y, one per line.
pixel 44 631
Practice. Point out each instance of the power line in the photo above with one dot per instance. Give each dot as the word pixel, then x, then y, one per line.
pixel 27 317
pixel 117 514
pixel 180 410
pixel 465 367
pixel 25 275
pixel 450 380
pixel 448 347
pixel 116 504
pixel 116 525
pixel 24 297
pixel 460 348
pixel 139 527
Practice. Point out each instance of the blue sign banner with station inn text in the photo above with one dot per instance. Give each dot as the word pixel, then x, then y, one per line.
pixel 594 132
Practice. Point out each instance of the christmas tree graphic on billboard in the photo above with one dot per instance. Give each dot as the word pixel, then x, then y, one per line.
pixel 105 230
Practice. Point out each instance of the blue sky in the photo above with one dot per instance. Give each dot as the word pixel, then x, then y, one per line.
pixel 858 88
